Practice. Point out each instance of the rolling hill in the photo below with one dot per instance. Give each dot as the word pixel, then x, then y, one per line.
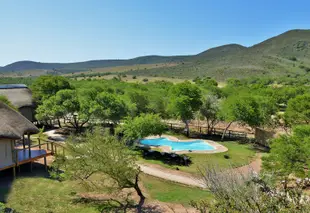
pixel 285 54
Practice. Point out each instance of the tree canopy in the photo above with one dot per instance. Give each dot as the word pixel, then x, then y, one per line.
pixel 142 126
pixel 47 86
pixel 298 110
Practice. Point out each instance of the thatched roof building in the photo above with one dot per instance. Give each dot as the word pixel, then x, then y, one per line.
pixel 14 125
pixel 21 97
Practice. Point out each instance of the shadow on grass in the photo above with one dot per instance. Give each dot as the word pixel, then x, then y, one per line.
pixel 116 206
pixel 7 179
pixel 171 159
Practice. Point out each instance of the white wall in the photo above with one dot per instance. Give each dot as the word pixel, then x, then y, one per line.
pixel 5 153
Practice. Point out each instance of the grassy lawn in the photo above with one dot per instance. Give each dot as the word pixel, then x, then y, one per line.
pixel 166 191
pixel 239 155
pixel 39 195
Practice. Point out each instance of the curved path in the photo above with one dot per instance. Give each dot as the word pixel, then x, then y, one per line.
pixel 187 179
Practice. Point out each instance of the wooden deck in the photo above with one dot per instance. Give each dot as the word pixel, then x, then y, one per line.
pixel 32 153
pixel 24 157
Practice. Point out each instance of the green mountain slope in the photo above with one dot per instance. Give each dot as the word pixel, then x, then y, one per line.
pixel 88 65
pixel 288 53
pixel 285 54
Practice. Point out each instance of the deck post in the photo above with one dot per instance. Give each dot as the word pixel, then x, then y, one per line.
pixel 24 146
pixel 45 164
pixel 29 144
pixel 39 141
pixel 52 144
pixel 14 172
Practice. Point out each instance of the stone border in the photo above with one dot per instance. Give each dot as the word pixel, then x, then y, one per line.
pixel 218 147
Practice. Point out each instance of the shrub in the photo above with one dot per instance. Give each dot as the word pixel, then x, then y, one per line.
pixel 145 80
pixel 134 77
pixel 293 58
pixel 226 156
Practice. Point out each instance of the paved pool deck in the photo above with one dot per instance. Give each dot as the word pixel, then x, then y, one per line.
pixel 218 147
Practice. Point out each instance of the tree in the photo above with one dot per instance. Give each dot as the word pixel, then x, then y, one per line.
pixel 110 106
pixel 298 110
pixel 234 192
pixel 289 155
pixel 104 157
pixel 47 86
pixel 210 109
pixel 68 104
pixel 244 109
pixel 140 100
pixel 185 100
pixel 142 126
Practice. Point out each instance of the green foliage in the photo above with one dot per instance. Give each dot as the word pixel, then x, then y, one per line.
pixel 298 110
pixel 210 111
pixel 235 192
pixel 140 100
pixel 17 80
pixel 100 154
pixel 247 109
pixel 47 86
pixel 185 100
pixel 289 154
pixel 142 126
pixel 2 207
pixel 109 106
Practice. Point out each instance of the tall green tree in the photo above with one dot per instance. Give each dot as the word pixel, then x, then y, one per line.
pixel 298 110
pixel 185 100
pixel 68 104
pixel 141 126
pixel 289 154
pixel 109 106
pixel 47 86
pixel 210 111
pixel 107 159
pixel 140 100
pixel 245 109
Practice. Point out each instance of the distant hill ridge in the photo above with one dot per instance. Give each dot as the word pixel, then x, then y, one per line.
pixel 287 53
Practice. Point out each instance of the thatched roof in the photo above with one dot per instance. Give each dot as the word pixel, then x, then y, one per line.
pixel 13 125
pixel 18 94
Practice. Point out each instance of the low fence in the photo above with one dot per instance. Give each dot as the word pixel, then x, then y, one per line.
pixel 203 131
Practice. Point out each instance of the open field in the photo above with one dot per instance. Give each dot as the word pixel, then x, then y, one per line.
pixel 136 79
pixel 88 72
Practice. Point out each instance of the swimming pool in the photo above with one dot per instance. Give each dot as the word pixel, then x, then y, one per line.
pixel 196 145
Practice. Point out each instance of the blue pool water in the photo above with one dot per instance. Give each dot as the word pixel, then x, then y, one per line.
pixel 178 146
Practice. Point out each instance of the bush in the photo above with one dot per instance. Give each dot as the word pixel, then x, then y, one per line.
pixel 226 156
pixel 145 80
pixel 134 77
pixel 293 58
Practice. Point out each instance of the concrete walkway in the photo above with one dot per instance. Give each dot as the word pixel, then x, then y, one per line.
pixel 52 135
pixel 167 174
pixel 187 179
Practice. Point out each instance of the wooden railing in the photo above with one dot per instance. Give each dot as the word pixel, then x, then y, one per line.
pixel 54 147
pixel 203 130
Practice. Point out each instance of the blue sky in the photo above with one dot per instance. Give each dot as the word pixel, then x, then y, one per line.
pixel 76 30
